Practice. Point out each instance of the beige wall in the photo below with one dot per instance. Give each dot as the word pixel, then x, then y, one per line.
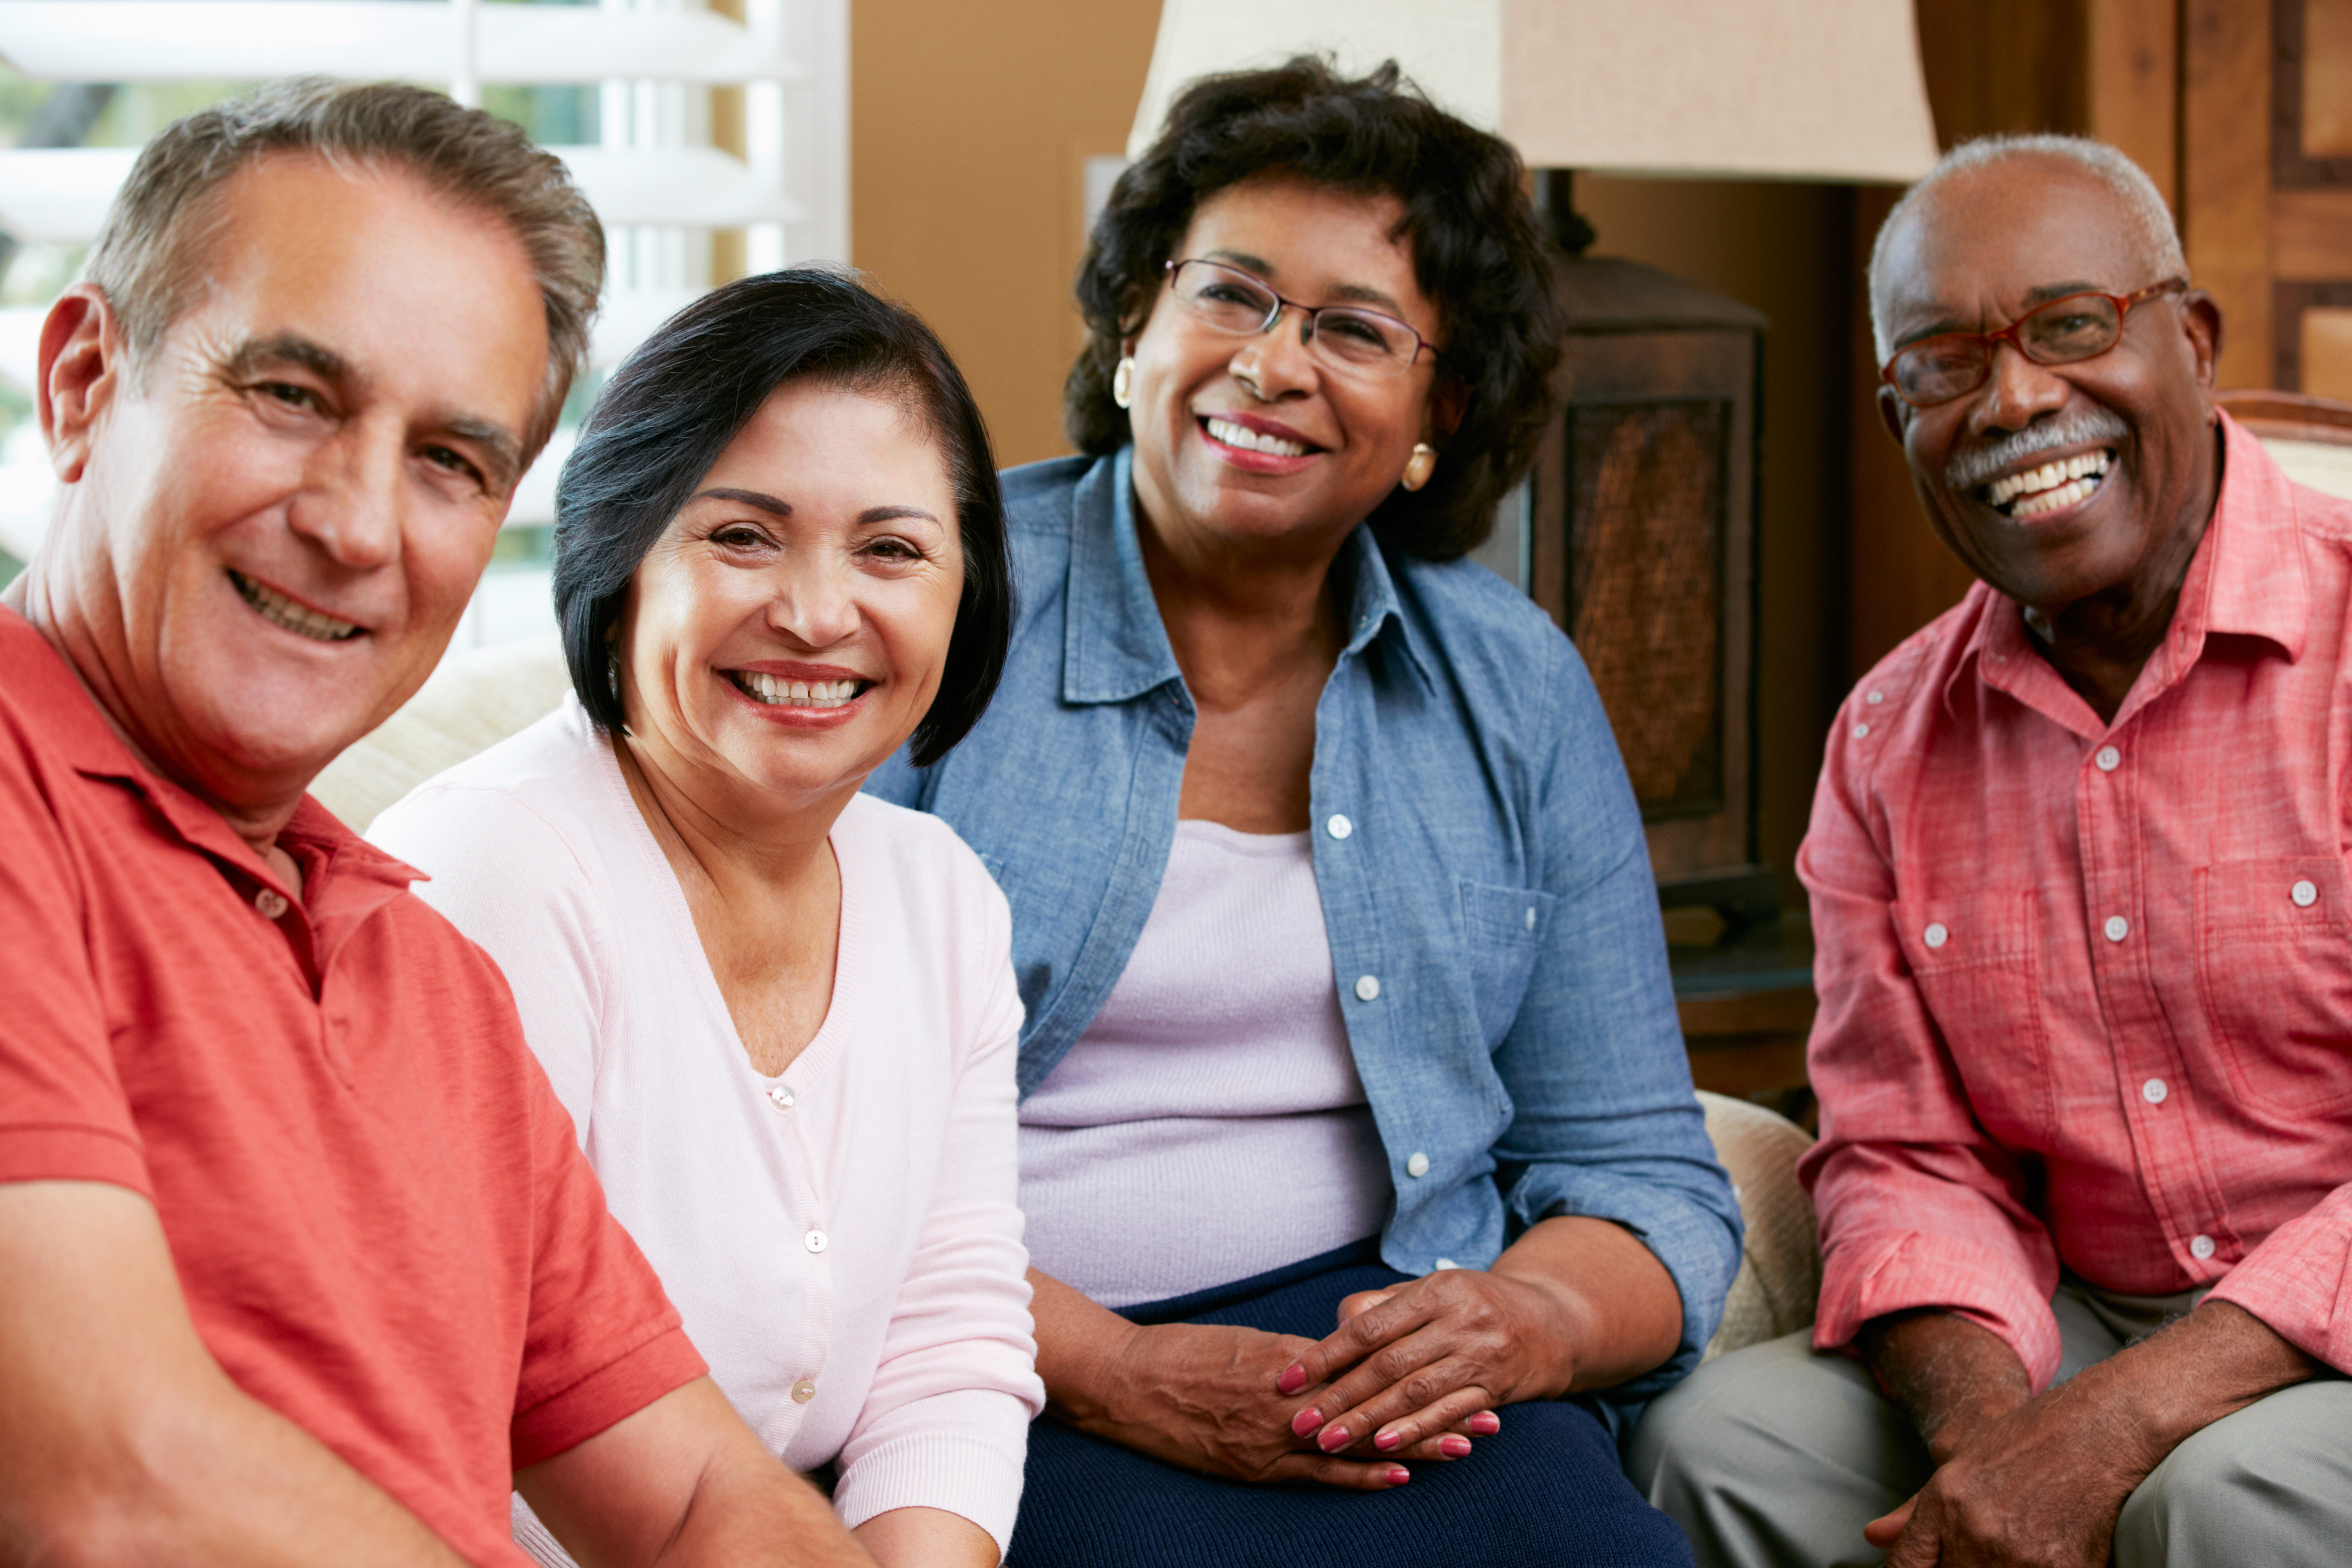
pixel 970 128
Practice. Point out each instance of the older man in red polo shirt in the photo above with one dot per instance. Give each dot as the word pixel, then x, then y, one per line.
pixel 300 1263
pixel 2079 885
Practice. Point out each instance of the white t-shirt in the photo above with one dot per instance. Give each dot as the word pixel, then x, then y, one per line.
pixel 843 1241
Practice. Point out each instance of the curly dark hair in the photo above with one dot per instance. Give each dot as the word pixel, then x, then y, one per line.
pixel 1478 253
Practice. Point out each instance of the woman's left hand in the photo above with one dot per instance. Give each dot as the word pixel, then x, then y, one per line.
pixel 1575 1303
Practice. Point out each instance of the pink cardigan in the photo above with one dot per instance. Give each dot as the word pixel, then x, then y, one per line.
pixel 843 1241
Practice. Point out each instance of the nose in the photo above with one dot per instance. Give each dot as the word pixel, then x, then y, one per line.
pixel 2017 392
pixel 1277 360
pixel 814 602
pixel 353 504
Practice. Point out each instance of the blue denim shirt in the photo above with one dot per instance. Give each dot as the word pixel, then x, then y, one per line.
pixel 1493 921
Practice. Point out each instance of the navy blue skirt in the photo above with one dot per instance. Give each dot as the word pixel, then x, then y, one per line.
pixel 1547 1489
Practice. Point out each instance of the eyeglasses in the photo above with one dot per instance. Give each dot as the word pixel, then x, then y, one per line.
pixel 2070 328
pixel 1347 339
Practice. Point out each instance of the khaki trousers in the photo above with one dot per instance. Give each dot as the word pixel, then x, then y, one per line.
pixel 1774 1455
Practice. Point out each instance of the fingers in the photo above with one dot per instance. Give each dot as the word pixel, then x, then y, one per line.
pixel 1881 1532
pixel 1353 1475
pixel 1362 1300
pixel 1366 1325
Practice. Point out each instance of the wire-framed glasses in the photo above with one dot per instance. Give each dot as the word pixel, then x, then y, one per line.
pixel 2070 328
pixel 1348 339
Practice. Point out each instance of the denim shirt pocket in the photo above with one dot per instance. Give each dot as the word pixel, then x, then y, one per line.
pixel 1503 929
pixel 1977 962
pixel 2275 969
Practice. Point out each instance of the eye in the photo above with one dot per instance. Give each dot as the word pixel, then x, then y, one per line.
pixel 892 549
pixel 291 395
pixel 451 461
pixel 738 536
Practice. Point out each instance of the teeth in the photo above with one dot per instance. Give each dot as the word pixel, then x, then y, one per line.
pixel 1248 440
pixel 776 691
pixel 2048 477
pixel 2066 494
pixel 279 610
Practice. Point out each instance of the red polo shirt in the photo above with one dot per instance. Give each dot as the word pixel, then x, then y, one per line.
pixel 379 1216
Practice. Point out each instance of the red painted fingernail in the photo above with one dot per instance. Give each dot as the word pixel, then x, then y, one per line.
pixel 1293 1378
pixel 1334 1439
pixel 1485 1423
pixel 1388 1439
pixel 1453 1446
pixel 1399 1476
pixel 1306 1421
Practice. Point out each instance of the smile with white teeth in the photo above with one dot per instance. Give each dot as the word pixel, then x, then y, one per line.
pixel 1249 440
pixel 2061 482
pixel 778 692
pixel 278 610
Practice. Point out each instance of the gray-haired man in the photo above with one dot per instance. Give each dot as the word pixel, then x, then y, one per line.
pixel 301 1264
pixel 2079 888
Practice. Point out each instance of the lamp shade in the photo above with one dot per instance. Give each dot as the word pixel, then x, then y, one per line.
pixel 1802 90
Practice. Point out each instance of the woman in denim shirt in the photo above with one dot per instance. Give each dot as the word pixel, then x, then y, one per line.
pixel 1358 1143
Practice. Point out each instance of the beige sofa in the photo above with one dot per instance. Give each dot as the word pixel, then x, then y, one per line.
pixel 476 700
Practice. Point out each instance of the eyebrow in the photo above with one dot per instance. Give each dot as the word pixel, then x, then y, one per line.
pixel 501 450
pixel 775 508
pixel 1349 293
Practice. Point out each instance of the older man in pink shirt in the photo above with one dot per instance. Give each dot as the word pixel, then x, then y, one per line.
pixel 2077 868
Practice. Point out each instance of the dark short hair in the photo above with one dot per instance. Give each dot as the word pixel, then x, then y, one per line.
pixel 1478 253
pixel 150 252
pixel 676 404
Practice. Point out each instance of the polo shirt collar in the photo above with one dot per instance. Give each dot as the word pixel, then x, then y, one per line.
pixel 2246 579
pixel 1115 646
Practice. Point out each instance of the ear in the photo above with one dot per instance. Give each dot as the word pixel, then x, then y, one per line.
pixel 82 373
pixel 2200 323
pixel 1893 412
pixel 1448 400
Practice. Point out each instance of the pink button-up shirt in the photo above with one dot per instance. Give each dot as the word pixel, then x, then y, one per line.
pixel 2087 988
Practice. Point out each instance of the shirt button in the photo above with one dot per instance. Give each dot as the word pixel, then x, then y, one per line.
pixel 1876 698
pixel 803 1390
pixel 2117 928
pixel 2154 1091
pixel 1339 826
pixel 1366 987
pixel 2200 1248
pixel 781 1097
pixel 1531 919
pixel 1936 935
pixel 1416 1163
pixel 1861 730
pixel 2108 759
pixel 815 1241
pixel 2303 894
pixel 1447 1263
pixel 270 902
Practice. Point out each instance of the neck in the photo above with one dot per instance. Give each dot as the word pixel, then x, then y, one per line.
pixel 79 641
pixel 1237 610
pixel 2099 644
pixel 727 835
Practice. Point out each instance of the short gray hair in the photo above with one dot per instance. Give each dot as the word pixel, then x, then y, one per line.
pixel 2158 241
pixel 157 230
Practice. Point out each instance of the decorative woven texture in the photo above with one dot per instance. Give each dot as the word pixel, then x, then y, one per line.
pixel 470 704
pixel 1780 1278
pixel 1645 584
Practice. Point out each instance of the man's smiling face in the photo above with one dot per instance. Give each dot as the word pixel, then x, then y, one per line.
pixel 2053 483
pixel 270 528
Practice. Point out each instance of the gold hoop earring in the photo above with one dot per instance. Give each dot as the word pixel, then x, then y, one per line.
pixel 1420 466
pixel 1122 382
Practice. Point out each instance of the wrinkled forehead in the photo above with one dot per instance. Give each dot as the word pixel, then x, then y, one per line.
pixel 1987 245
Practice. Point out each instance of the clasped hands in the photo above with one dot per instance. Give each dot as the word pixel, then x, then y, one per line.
pixel 1412 1373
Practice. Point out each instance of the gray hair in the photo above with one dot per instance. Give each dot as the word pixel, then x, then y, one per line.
pixel 151 250
pixel 2151 220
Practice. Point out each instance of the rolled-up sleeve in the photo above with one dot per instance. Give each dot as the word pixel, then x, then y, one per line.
pixel 1604 1123
pixel 1919 1205
pixel 2298 1282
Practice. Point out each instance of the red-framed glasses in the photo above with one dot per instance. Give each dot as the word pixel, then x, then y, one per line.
pixel 2071 328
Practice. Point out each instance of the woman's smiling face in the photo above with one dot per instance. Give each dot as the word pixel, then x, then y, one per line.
pixel 1325 445
pixel 790 627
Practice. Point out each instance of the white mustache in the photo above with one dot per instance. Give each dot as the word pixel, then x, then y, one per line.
pixel 1975 466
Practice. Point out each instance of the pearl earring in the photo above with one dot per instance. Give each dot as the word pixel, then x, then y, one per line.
pixel 1419 467
pixel 1122 382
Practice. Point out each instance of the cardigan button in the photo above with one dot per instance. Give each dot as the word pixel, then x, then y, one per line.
pixel 803 1390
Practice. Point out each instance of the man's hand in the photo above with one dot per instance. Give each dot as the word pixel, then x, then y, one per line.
pixel 2043 1481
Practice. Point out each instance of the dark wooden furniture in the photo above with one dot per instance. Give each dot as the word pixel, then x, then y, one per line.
pixel 1643 550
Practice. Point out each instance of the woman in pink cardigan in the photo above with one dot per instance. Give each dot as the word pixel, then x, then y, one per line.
pixel 782 1013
